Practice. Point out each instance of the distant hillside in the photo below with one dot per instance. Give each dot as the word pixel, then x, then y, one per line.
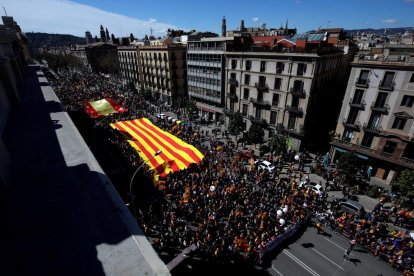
pixel 37 40
pixel 380 31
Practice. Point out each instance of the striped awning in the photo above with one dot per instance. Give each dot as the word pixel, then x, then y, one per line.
pixel 147 139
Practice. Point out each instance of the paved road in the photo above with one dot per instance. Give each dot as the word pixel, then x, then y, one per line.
pixel 316 254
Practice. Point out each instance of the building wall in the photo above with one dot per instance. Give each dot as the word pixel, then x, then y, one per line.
pixel 128 64
pixel 384 132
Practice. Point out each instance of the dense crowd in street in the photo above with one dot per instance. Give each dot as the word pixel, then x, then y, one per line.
pixel 226 205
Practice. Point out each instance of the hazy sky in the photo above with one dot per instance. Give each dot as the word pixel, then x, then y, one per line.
pixel 123 17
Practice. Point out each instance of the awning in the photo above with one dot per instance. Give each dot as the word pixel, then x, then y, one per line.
pixel 147 139
pixel 357 154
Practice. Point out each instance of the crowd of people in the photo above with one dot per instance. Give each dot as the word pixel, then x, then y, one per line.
pixel 226 205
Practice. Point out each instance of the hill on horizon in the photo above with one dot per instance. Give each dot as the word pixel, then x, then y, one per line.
pixel 400 30
pixel 38 40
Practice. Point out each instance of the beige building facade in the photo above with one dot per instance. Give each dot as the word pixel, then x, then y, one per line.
pixel 377 117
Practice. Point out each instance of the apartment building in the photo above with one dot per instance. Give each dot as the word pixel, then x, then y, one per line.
pixel 128 64
pixel 289 86
pixel 14 55
pixel 206 75
pixel 376 119
pixel 162 69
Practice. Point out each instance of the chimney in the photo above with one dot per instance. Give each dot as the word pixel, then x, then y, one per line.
pixel 241 25
pixel 223 26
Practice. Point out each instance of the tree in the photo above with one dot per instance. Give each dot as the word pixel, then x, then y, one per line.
pixel 191 107
pixel 405 182
pixel 236 124
pixel 277 143
pixel 348 165
pixel 255 134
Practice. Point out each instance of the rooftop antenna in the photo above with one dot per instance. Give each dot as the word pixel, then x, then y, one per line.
pixel 327 24
pixel 4 10
pixel 151 31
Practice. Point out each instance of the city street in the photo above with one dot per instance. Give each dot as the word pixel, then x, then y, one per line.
pixel 322 254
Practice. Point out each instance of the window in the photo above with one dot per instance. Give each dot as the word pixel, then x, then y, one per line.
pixel 278 83
pixel 248 65
pixel 353 114
pixel 258 113
pixel 399 123
pixel 412 77
pixel 291 122
pixel 389 147
pixel 262 66
pixel 246 94
pixel 367 140
pixel 233 90
pixel 275 100
pixel 297 85
pixel 374 121
pixel 347 135
pixel 280 66
pixel 247 79
pixel 381 99
pixel 233 76
pixel 262 81
pixel 233 64
pixel 260 96
pixel 273 117
pixel 363 77
pixel 407 101
pixel 301 69
pixel 359 93
pixel 232 106
pixel 388 79
pixel 244 111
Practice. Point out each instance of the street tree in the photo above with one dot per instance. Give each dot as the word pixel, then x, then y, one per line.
pixel 348 165
pixel 405 182
pixel 236 124
pixel 277 143
pixel 255 134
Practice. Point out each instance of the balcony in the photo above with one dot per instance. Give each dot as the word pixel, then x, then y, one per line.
pixel 260 102
pixel 298 92
pixel 262 87
pixel 380 108
pixel 234 82
pixel 300 132
pixel 257 120
pixel 362 83
pixel 372 128
pixel 228 112
pixel 232 96
pixel 359 105
pixel 387 86
pixel 378 154
pixel 294 110
pixel 352 124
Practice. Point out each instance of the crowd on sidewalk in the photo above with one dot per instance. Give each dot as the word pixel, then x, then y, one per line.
pixel 226 204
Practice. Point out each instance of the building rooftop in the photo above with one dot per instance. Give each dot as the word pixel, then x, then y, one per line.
pixel 61 215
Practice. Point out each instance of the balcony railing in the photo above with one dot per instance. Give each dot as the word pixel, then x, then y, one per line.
pixel 232 96
pixel 257 120
pixel 298 92
pixel 372 128
pixel 388 86
pixel 262 86
pixel 380 108
pixel 294 110
pixel 234 82
pixel 260 102
pixel 351 124
pixel 359 105
pixel 362 83
pixel 228 112
pixel 295 131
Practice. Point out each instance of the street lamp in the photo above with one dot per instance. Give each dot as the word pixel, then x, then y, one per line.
pixel 158 152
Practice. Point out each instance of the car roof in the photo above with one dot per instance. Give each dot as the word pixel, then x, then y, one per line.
pixel 267 163
pixel 353 203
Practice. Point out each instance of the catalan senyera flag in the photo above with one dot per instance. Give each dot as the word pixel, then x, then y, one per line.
pixel 147 139
pixel 103 107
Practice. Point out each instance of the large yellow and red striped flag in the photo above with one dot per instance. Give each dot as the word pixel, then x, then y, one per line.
pixel 103 107
pixel 147 139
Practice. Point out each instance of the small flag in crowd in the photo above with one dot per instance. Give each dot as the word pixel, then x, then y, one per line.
pixel 103 107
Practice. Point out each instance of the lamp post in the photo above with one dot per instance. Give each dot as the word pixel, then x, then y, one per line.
pixel 158 152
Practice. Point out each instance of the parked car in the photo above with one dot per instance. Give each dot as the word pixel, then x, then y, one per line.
pixel 266 165
pixel 317 188
pixel 352 207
